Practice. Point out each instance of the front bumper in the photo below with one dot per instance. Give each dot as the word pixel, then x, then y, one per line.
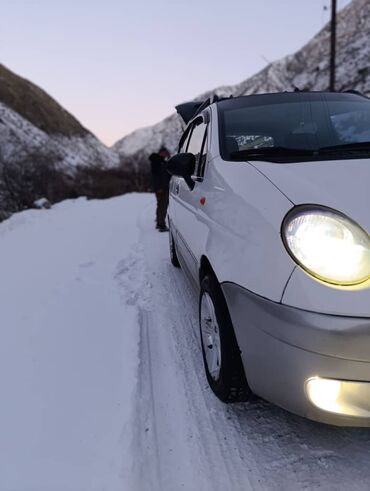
pixel 283 348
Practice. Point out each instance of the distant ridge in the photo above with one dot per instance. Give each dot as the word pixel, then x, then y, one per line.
pixel 32 122
pixel 46 153
pixel 35 105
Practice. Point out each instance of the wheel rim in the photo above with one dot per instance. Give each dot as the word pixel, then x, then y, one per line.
pixel 210 336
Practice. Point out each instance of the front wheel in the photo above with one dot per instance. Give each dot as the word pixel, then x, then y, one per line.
pixel 221 355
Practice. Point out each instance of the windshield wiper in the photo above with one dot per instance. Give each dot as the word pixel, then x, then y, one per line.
pixel 347 147
pixel 279 152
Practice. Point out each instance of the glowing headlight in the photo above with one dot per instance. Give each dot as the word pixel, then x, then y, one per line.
pixel 328 245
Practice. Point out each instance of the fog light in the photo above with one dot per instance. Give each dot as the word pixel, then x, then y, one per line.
pixel 324 393
pixel 340 396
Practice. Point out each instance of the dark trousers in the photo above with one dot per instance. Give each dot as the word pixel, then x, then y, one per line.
pixel 162 205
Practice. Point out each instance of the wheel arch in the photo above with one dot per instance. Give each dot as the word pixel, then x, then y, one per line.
pixel 206 268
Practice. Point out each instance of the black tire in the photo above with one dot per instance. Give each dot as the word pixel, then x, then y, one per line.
pixel 230 385
pixel 173 253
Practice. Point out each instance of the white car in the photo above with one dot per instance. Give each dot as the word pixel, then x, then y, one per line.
pixel 269 217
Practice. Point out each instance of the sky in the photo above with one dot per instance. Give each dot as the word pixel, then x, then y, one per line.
pixel 119 65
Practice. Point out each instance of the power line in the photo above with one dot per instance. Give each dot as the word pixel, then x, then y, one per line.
pixel 333 42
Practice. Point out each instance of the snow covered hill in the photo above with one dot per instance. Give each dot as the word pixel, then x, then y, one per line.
pixel 46 153
pixel 306 69
pixel 20 137
pixel 101 376
pixel 33 122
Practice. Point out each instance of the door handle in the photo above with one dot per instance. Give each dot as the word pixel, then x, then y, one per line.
pixel 177 188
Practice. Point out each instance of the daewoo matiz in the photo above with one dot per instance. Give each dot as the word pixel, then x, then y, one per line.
pixel 269 216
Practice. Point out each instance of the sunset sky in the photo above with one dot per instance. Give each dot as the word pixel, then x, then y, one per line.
pixel 119 65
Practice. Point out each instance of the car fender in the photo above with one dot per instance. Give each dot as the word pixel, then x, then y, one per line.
pixel 242 220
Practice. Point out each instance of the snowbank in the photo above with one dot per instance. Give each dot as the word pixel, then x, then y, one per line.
pixel 68 348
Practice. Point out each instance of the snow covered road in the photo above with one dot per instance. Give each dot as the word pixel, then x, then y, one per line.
pixel 101 376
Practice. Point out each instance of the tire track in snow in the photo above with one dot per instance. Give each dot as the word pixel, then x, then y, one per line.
pixel 146 434
pixel 207 448
pixel 162 439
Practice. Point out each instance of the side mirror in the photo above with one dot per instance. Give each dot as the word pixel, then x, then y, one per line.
pixel 182 165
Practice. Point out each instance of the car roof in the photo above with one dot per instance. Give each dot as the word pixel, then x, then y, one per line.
pixel 189 110
pixel 284 97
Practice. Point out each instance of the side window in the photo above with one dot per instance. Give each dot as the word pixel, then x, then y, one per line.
pixel 196 143
pixel 184 141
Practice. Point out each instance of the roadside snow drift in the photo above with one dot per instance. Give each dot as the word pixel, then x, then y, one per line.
pixel 68 348
pixel 101 377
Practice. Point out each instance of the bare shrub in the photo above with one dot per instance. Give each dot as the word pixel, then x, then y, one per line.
pixel 33 176
pixel 28 178
pixel 106 183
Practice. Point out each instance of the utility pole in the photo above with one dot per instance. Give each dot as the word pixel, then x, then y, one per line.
pixel 333 42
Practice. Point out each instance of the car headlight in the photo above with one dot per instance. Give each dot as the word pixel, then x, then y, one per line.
pixel 328 245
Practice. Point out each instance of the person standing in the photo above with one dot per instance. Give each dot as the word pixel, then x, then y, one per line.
pixel 160 182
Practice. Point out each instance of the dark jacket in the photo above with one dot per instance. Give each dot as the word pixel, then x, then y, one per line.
pixel 160 176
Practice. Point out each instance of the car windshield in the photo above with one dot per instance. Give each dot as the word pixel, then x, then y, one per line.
pixel 294 127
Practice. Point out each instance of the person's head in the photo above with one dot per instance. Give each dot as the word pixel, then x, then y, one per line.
pixel 164 153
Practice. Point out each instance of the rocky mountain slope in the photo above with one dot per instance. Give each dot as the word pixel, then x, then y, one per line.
pixel 306 69
pixel 33 122
pixel 46 153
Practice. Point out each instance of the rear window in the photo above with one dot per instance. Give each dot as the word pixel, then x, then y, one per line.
pixel 295 127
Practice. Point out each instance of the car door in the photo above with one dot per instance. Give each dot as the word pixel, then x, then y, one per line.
pixel 175 187
pixel 189 227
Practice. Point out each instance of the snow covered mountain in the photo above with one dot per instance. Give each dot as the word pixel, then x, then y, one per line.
pixel 32 122
pixel 46 153
pixel 306 69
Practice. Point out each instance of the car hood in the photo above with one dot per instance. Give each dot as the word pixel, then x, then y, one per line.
pixel 340 184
